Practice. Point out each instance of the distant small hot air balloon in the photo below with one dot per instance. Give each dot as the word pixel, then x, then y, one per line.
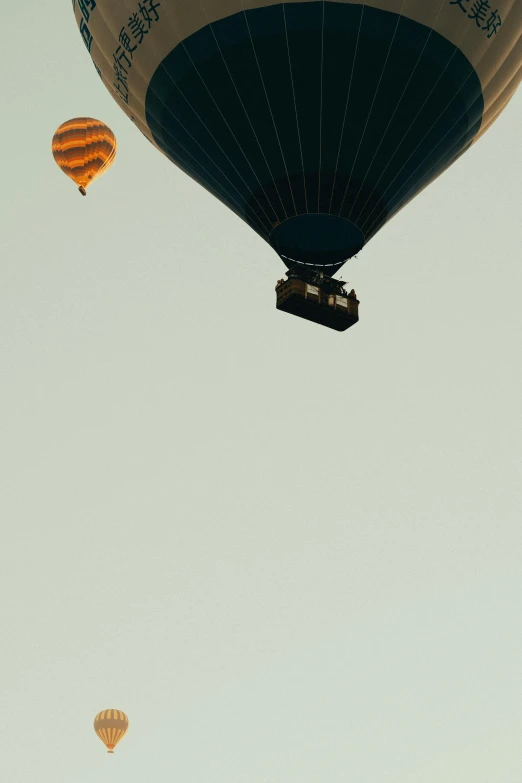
pixel 84 149
pixel 111 726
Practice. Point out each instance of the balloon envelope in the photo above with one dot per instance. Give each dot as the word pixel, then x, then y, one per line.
pixel 314 121
pixel 84 149
pixel 111 726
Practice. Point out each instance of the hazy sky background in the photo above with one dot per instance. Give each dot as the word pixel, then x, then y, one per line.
pixel 290 555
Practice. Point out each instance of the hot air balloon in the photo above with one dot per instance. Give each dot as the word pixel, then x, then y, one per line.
pixel 84 149
pixel 111 726
pixel 315 121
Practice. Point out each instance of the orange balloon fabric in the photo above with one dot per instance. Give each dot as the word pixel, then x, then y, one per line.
pixel 84 149
pixel 111 726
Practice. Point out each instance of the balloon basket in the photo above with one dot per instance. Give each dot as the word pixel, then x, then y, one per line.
pixel 316 297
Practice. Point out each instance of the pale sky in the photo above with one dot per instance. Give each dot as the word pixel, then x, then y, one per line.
pixel 289 555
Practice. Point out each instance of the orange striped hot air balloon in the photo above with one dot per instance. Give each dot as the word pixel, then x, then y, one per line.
pixel 84 149
pixel 111 726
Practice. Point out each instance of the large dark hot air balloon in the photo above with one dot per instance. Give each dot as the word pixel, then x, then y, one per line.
pixel 315 121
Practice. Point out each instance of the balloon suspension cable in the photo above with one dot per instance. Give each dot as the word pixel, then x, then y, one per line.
pixel 84 193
